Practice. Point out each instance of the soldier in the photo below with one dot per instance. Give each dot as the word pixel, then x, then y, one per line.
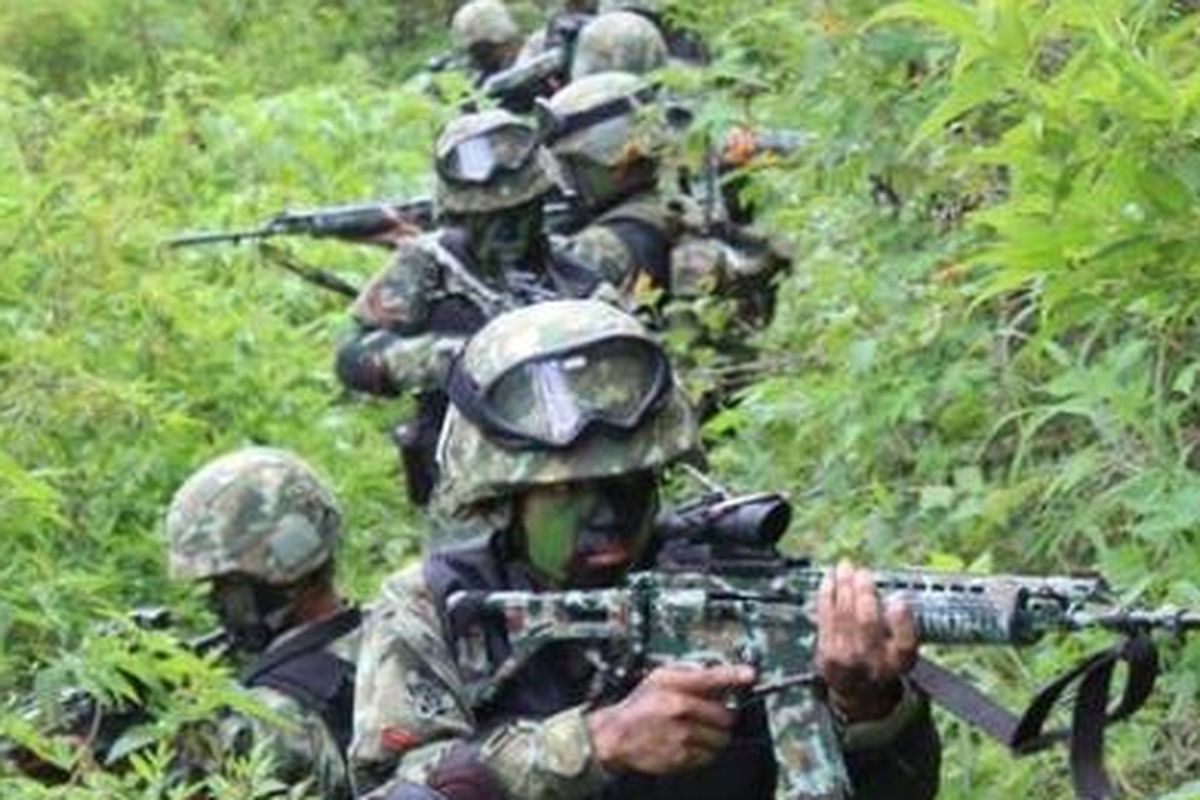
pixel 413 317
pixel 485 31
pixel 260 528
pixel 572 46
pixel 564 416
pixel 609 134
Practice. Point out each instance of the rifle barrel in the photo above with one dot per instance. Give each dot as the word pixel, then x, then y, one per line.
pixel 216 237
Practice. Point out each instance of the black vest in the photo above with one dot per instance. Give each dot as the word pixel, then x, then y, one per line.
pixel 318 680
pixel 560 678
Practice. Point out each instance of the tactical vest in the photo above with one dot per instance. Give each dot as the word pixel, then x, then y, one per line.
pixel 303 669
pixel 559 678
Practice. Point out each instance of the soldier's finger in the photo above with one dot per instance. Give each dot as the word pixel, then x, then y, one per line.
pixel 843 607
pixel 705 681
pixel 903 642
pixel 866 604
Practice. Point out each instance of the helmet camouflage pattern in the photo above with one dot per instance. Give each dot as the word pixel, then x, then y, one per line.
pixel 259 512
pixel 504 190
pixel 476 469
pixel 621 42
pixel 483 22
pixel 620 138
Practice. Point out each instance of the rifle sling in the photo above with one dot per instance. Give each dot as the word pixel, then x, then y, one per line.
pixel 1090 713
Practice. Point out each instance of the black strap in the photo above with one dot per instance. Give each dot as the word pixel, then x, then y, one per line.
pixel 315 638
pixel 1090 714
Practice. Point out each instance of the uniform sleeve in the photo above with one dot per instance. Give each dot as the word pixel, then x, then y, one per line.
pixel 302 748
pixel 412 723
pixel 390 352
pixel 898 757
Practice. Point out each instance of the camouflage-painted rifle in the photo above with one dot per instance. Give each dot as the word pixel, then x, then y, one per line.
pixel 727 599
pixel 96 726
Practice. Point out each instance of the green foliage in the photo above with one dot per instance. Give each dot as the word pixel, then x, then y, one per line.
pixel 983 356
pixel 124 366
pixel 983 359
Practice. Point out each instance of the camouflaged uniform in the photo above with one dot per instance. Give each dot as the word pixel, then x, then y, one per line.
pixel 305 751
pixel 415 720
pixel 265 514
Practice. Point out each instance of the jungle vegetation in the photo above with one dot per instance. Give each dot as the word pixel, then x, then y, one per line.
pixel 986 356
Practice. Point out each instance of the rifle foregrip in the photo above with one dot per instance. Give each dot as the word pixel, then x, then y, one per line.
pixel 965 620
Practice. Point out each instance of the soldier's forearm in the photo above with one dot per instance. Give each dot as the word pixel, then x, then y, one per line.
pixel 383 363
pixel 897 758
pixel 549 759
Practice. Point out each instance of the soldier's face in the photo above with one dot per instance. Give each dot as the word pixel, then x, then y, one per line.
pixel 490 57
pixel 504 240
pixel 252 613
pixel 588 533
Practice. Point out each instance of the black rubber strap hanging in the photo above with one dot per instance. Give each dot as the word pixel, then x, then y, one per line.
pixel 1090 714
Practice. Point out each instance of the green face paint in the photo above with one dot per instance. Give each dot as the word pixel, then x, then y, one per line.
pixel 552 520
pixel 588 534
pixel 505 240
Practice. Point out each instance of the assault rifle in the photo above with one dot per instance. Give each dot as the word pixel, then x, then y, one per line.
pixel 352 222
pixel 361 222
pixel 722 593
pixel 84 717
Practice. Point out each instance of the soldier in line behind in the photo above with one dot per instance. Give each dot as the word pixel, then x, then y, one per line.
pixel 611 134
pixel 485 32
pixel 260 527
pixel 413 317
pixel 565 415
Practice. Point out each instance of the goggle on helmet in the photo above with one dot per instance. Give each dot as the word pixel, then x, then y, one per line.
pixel 479 159
pixel 554 399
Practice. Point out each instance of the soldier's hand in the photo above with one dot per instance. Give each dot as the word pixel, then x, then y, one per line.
pixel 863 647
pixel 676 719
pixel 402 230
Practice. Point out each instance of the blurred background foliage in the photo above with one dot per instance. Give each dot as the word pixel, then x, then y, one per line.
pixel 984 358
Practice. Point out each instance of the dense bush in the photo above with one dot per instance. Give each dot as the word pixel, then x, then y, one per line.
pixel 982 360
pixel 984 356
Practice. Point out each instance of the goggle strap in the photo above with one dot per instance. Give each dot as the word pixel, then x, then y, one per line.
pixel 560 127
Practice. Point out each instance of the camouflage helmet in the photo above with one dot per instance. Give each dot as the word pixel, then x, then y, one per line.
pixel 259 512
pixel 482 22
pixel 634 126
pixel 514 168
pixel 618 41
pixel 476 468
